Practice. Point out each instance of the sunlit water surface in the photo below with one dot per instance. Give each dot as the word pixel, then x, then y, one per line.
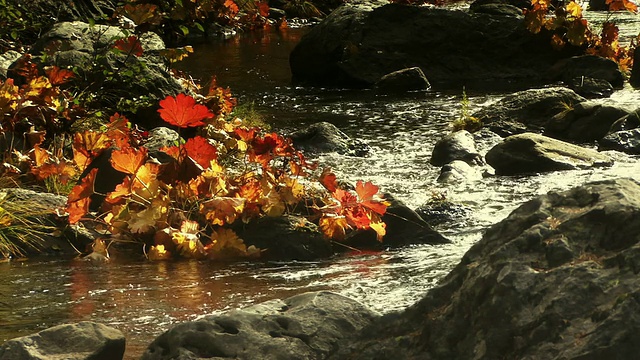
pixel 145 298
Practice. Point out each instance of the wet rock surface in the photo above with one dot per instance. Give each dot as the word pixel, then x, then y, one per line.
pixel 306 326
pixel 556 279
pixel 82 341
pixel 532 153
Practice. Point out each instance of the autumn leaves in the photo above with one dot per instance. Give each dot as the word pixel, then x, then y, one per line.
pixel 567 25
pixel 187 207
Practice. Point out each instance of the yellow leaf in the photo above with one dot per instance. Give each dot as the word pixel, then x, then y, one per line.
pixel 333 226
pixel 378 226
pixel 158 252
pixel 274 206
pixel 574 9
pixel 227 245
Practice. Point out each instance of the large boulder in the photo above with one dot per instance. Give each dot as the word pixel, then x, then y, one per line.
pixel 306 326
pixel 82 341
pixel 533 153
pixel 586 121
pixel 527 110
pixel 557 279
pixel 354 48
pixel 588 66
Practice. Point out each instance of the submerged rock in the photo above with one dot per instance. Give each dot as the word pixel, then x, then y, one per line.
pixel 532 153
pixel 527 110
pixel 458 171
pixel 410 79
pixel 325 137
pixel 354 48
pixel 627 141
pixel 557 279
pixel 82 341
pixel 306 326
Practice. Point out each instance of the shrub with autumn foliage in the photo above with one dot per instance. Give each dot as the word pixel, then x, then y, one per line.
pixel 568 26
pixel 186 206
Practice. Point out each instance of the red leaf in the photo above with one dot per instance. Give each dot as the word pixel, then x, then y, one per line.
pixel 263 8
pixel 201 151
pixel 58 76
pixel 328 180
pixel 128 160
pixel 183 111
pixel 78 201
pixel 130 45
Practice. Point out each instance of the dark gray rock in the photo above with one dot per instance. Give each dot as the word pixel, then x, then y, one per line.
pixel 437 213
pixel 588 66
pixel 527 110
pixel 6 60
pixel 598 5
pixel 533 153
pixel 410 79
pixel 557 279
pixel 586 121
pixel 82 341
pixel 75 45
pixel 286 237
pixel 404 227
pixel 634 79
pixel 354 48
pixel 459 145
pixel 627 141
pixel 306 326
pixel 325 137
pixel 591 88
pixel 498 9
pixel 520 4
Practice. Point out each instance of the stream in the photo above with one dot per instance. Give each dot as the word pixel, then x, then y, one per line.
pixel 143 299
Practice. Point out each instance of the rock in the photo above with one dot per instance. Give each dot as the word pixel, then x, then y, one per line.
pixel 497 9
pixel 556 279
pixel 598 5
pixel 526 110
pixel 533 153
pixel 587 66
pixel 85 47
pixel 306 326
pixel 325 137
pixel 82 341
pixel 410 79
pixel 520 4
pixel 627 141
pixel 445 212
pixel 458 171
pixel 591 88
pixel 586 121
pixel 634 79
pixel 354 48
pixel 286 238
pixel 404 227
pixel 459 145
pixel 6 60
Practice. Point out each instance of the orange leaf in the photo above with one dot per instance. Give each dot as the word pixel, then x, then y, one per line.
pixel 128 160
pixel 79 197
pixel 122 189
pixel 577 32
pixel 616 5
pixel 141 13
pixel 366 193
pixel 574 9
pixel 263 8
pixel 201 151
pixel 130 45
pixel 58 76
pixel 222 210
pixel 182 111
pixel 609 33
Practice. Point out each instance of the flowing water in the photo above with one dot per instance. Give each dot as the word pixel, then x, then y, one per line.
pixel 144 298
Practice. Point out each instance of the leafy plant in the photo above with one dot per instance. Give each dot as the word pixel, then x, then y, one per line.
pixel 465 121
pixel 568 26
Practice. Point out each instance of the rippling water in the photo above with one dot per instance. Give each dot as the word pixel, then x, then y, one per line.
pixel 144 298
